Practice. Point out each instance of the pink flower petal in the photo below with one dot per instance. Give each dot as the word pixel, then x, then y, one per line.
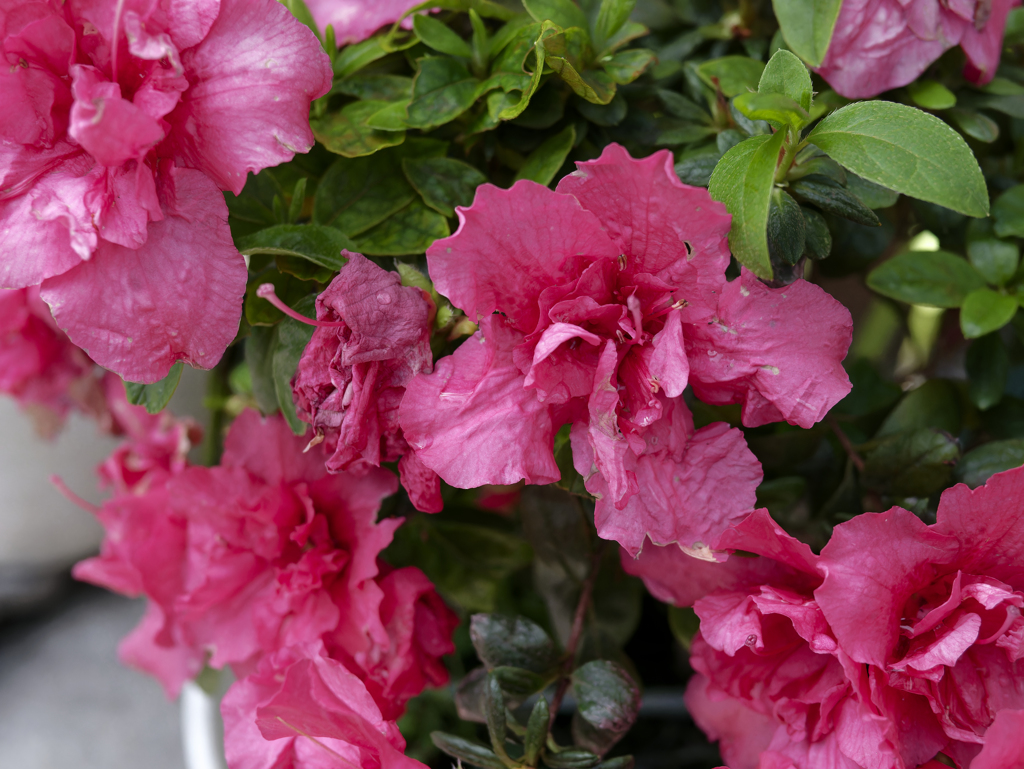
pixel 743 733
pixel 422 484
pixel 356 20
pixel 178 297
pixel 1004 743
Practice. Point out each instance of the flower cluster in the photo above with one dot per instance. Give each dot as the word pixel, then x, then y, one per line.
pixel 269 564
pixel 598 304
pixel 900 641
pixel 122 124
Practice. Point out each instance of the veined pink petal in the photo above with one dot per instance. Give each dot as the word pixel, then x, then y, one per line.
pixel 1004 743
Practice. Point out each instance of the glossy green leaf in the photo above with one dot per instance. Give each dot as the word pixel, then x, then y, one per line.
pixel 776 108
pixel 932 95
pixel 988 364
pixel 733 75
pixel 626 66
pixel 995 260
pixel 439 36
pixel 442 90
pixel 935 404
pixel 1008 213
pixel 679 106
pixel 975 124
pixel 510 68
pixel 316 243
pixel 346 133
pixel 157 395
pixel 787 232
pixel 502 641
pixel 543 163
pixel 818 237
pixel 376 87
pixel 916 463
pixel 392 117
pixel 807 26
pixel 696 166
pixel 743 181
pixel 832 198
pixel 935 278
pixel 471 752
pixel 292 338
pixel 611 16
pixel 494 710
pixel 984 311
pixel 906 150
pixel 409 231
pixel 607 704
pixel 443 183
pixel 566 53
pixel 980 464
pixel 785 74
pixel 536 731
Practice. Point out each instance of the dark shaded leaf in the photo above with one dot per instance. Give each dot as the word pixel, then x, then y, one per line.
pixel 315 243
pixel 818 238
pixel 409 231
pixel 443 183
pixel 832 198
pixel 258 355
pixel 933 404
pixel 543 163
pixel 1008 213
pixel 292 338
pixel 346 133
pixel 471 752
pixel 980 464
pixel 607 704
pixel 571 758
pixel 787 232
pixel 517 642
pixel 988 364
pixel 442 90
pixel 536 732
pixel 937 278
pixel 912 463
pixel 995 260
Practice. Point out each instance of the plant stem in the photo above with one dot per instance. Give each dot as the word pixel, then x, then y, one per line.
pixel 577 630
pixel 851 452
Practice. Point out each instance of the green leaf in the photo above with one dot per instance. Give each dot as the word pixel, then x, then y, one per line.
pixel 443 183
pixel 787 232
pixel 916 463
pixel 607 115
pixel 906 150
pixel 292 338
pixel 980 464
pixel 988 364
pixel 439 36
pixel 519 683
pixel 316 243
pixel 543 163
pixel 818 237
pixel 471 752
pixel 571 758
pixel 494 710
pixel 776 108
pixel 975 124
pixel 564 13
pixel 807 26
pixel 392 117
pixel 935 278
pixel 409 231
pixel 870 391
pixel 995 260
pixel 679 106
pixel 300 11
pixel 376 87
pixel 352 58
pixel 607 704
pixel 984 311
pixel 626 66
pixel 684 624
pixel 611 16
pixel 536 731
pixel 732 74
pixel 502 641
pixel 509 68
pixel 932 95
pixel 259 348
pixel 935 404
pixel 785 74
pixel 696 166
pixel 831 198
pixel 289 289
pixel 566 53
pixel 1008 213
pixel 346 133
pixel 872 195
pixel 442 90
pixel 157 395
pixel 743 181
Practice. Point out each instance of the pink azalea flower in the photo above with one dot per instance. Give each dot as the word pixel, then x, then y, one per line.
pixel 373 337
pixel 123 122
pixel 307 711
pixel 882 44
pixel 356 20
pixel 598 303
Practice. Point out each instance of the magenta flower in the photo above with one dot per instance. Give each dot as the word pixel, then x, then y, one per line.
pixel 882 44
pixel 122 124
pixel 356 20
pixel 611 297
pixel 373 337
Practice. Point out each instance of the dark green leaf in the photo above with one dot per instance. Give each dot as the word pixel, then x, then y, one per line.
pixel 564 13
pixel 571 758
pixel 260 312
pixel 510 70
pixel 980 464
pixel 733 75
pixel 536 732
pixel 517 642
pixel 376 87
pixel 984 311
pixel 259 347
pixel 443 183
pixel 607 704
pixel 352 58
pixel 807 26
pixel 817 165
pixel 785 74
pixel 833 199
pixel 471 696
pixel 872 195
pixel 696 166
pixel 316 243
pixel 818 238
pixel 870 391
pixel 611 16
pixel 1008 213
pixel 905 150
pixel 987 367
pixel 679 106
pixel 619 762
pixel 471 752
pixel 776 108
pixel 393 117
pixel 932 95
pixel 442 90
pixel 346 133
pixel 519 683
pixel 787 232
pixel 567 54
pixel 995 260
pixel 975 124
pixel 606 115
pixel 439 36
pixel 912 464
pixel 936 404
pixel 292 338
pixel 157 395
pixel 543 163
pixel 626 66
pixel 937 278
pixel 743 181
pixel 494 710
pixel 684 624
pixel 409 231
pixel 675 132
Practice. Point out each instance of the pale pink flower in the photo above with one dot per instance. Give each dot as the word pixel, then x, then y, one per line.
pixel 356 20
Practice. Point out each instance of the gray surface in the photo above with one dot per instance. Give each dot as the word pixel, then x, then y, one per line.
pixel 66 702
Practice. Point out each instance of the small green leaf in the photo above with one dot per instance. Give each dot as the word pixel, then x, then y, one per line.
pixel 785 74
pixel 1008 213
pixel 316 243
pixel 502 641
pixel 442 90
pixel 543 163
pixel 567 53
pixel 409 231
pixel 833 199
pixel 494 710
pixel 995 260
pixel 776 108
pixel 733 75
pixel 743 181
pixel 518 683
pixel 439 36
pixel 932 95
pixel 157 395
pixel 471 752
pixel 607 115
pixel 980 464
pixel 818 237
pixel 393 117
pixel 679 106
pixel 906 150
pixel 935 278
pixel 807 26
pixel 346 133
pixel 443 183
pixel 626 66
pixel 611 16
pixel 975 124
pixel 988 364
pixel 984 311
pixel 564 13
pixel 571 758
pixel 536 731
pixel 787 232
pixel 696 166
pixel 259 348
pixel 914 463
pixel 607 704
